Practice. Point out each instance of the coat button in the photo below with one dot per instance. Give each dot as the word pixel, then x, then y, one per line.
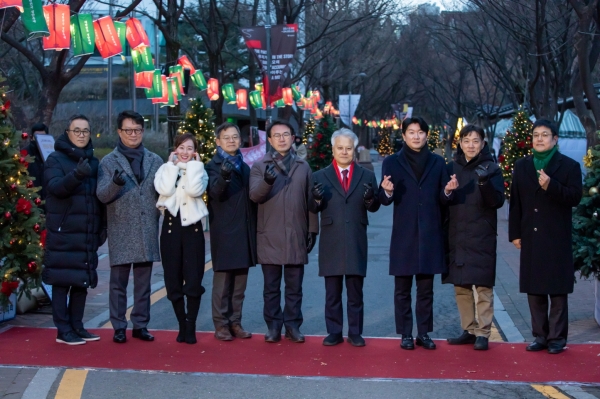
pixel 169 231
pixel 184 173
pixel 170 224
pixel 535 229
pixel 183 187
pixel 184 219
pixel 184 203
pixel 535 210
pixel 196 229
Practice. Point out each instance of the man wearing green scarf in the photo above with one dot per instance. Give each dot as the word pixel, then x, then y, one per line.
pixel 545 188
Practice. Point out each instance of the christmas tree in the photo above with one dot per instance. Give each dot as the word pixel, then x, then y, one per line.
pixel 516 145
pixel 21 225
pixel 319 152
pixel 586 222
pixel 433 138
pixel 309 132
pixel 200 121
pixel 385 144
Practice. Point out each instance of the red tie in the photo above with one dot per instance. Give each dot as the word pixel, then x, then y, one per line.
pixel 345 179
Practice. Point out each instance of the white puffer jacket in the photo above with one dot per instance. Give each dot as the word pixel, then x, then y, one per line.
pixel 184 195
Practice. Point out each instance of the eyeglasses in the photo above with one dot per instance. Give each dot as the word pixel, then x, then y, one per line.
pixel 230 138
pixel 544 135
pixel 285 135
pixel 130 132
pixel 78 132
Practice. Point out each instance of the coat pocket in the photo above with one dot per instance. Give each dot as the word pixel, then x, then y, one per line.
pixel 326 220
pixel 64 216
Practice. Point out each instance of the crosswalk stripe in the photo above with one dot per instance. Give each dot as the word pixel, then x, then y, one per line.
pixel 71 384
pixel 40 384
pixel 549 392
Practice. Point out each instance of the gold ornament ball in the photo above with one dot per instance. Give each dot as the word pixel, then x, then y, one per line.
pixel 200 122
pixel 593 191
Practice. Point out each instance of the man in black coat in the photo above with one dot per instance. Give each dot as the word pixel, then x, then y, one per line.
pixel 232 217
pixel 75 229
pixel 343 192
pixel 472 235
pixel 416 181
pixel 545 188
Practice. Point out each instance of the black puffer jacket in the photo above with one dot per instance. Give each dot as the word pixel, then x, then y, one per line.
pixel 74 216
pixel 473 222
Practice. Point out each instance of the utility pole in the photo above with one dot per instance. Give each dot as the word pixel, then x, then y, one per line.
pixel 157 62
pixel 109 91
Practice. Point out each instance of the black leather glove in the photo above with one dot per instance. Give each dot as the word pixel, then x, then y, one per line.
pixel 118 178
pixel 226 170
pixel 270 174
pixel 482 174
pixel 369 193
pixel 310 241
pixel 317 191
pixel 103 236
pixel 83 169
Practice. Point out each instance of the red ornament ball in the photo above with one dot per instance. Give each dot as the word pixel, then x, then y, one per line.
pixel 521 144
pixel 13 186
pixel 24 135
pixel 325 125
pixel 27 212
pixel 29 184
pixel 12 242
pixel 507 167
pixel 36 228
pixel 22 160
pixel 7 215
pixel 32 267
pixel 319 136
pixel 501 158
pixel 505 184
pixel 37 201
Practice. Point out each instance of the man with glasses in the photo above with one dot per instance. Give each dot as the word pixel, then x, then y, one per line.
pixel 545 187
pixel 126 186
pixel 281 185
pixel 232 217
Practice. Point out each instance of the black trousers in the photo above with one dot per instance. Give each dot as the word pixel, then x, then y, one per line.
pixel 423 308
pixel 553 327
pixel 334 311
pixel 182 254
pixel 291 316
pixel 228 293
pixel 68 317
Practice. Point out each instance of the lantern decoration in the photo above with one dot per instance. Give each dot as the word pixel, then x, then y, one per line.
pixel 142 60
pixel 327 107
pixel 135 34
pixel 241 97
pixel 259 87
pixel 33 19
pixel 316 95
pixel 263 98
pixel 176 72
pixel 213 89
pixel 256 99
pixel 318 114
pixel 82 34
pixel 288 97
pixel 228 93
pixel 198 80
pixel 58 22
pixel 107 39
pixel 279 103
pixel 164 91
pixel 185 62
pixel 296 93
pixel 355 120
pixel 121 29
pixel 12 3
pixel 144 80
pixel 171 93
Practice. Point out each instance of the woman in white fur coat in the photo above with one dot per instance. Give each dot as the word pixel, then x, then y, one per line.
pixel 180 183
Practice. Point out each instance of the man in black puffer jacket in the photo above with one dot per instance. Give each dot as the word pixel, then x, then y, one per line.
pixel 75 229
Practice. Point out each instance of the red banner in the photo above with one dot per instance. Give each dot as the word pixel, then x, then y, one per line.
pixel 58 20
pixel 136 35
pixel 107 40
pixel 185 62
pixel 144 79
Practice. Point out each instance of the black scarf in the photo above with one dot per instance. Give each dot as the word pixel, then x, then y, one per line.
pixel 284 162
pixel 417 160
pixel 135 156
pixel 64 145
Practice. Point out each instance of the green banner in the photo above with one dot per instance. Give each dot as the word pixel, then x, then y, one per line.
pixel 121 29
pixel 142 60
pixel 198 80
pixel 82 34
pixel 156 90
pixel 33 19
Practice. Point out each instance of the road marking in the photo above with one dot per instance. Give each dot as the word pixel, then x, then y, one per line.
pixel 71 384
pixel 550 392
pixel 576 392
pixel 41 383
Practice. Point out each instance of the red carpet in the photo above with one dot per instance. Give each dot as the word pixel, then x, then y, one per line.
pixel 381 358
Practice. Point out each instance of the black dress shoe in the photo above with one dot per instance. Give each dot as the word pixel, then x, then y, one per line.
pixel 273 336
pixel 333 339
pixel 294 335
pixel 120 337
pixel 407 342
pixel 465 339
pixel 535 347
pixel 356 340
pixel 555 348
pixel 425 342
pixel 143 334
pixel 481 344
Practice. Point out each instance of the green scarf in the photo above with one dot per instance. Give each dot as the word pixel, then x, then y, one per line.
pixel 542 158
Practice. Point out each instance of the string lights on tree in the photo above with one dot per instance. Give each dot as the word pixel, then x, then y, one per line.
pixel 200 121
pixel 515 145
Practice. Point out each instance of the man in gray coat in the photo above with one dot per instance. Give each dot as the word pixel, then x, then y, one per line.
pixel 343 193
pixel 126 186
pixel 286 231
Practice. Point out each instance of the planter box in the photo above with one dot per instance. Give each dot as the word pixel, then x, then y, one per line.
pixel 10 311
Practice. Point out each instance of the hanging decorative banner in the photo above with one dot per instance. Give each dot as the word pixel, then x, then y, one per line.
pixel 82 33
pixel 33 19
pixel 171 97
pixel 279 103
pixel 213 89
pixel 144 79
pixel 164 91
pixel 121 29
pixel 185 62
pixel 12 3
pixel 228 93
pixel 288 97
pixel 296 93
pixel 256 99
pixel 142 60
pixel 157 86
pixel 283 49
pixel 136 35
pixel 241 97
pixel 176 93
pixel 198 80
pixel 176 72
pixel 58 21
pixel 263 98
pixel 107 40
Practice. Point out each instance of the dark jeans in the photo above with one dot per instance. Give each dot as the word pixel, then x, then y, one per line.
pixel 68 317
pixel 423 308
pixel 291 316
pixel 552 327
pixel 334 311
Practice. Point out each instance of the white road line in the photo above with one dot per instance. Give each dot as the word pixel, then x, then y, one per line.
pixel 41 383
pixel 505 322
pixel 576 392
